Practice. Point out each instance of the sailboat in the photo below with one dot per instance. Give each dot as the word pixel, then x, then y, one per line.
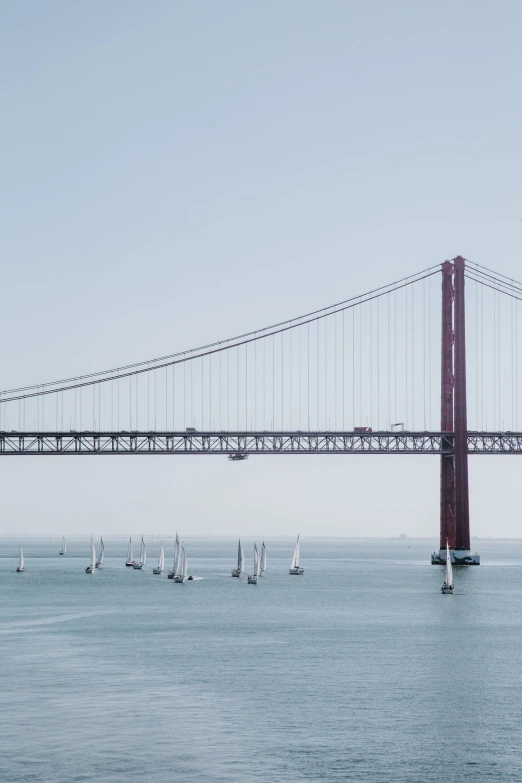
pixel 143 556
pixel 182 574
pixel 262 560
pixel 448 587
pixel 240 561
pixel 176 562
pixel 295 568
pixel 130 558
pixel 20 567
pixel 63 550
pixel 161 562
pixel 252 580
pixel 92 567
pixel 99 561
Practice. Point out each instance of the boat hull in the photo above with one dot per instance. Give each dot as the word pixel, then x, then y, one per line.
pixel 252 580
pixel 296 571
pixel 130 564
pixel 180 579
pixel 89 570
pixel 156 570
pixel 447 590
pixel 138 567
pixel 236 573
pixel 99 565
pixel 19 570
pixel 61 554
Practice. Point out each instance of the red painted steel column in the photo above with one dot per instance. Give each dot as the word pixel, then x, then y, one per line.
pixel 447 473
pixel 462 539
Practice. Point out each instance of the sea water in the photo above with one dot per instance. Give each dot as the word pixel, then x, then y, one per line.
pixel 359 670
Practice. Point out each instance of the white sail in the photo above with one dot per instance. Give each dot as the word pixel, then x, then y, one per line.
pixel 64 547
pixel 99 561
pixel 183 563
pixel 240 558
pixel 176 562
pixel 262 563
pixel 296 557
pixel 256 561
pixel 449 568
pixel 143 552
pixel 129 552
pixel 21 558
pixel 93 556
pixel 161 562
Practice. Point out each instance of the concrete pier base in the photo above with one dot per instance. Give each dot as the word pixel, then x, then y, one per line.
pixel 459 557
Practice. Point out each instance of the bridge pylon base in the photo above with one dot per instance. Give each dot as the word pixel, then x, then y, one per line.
pixel 459 557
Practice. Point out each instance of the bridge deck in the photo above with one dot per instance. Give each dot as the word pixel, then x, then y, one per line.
pixel 249 443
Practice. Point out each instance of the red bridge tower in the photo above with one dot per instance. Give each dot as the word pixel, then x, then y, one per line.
pixel 454 490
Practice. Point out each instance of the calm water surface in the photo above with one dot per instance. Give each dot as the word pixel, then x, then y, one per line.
pixel 358 671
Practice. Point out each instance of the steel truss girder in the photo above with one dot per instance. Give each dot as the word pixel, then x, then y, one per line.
pixel 229 443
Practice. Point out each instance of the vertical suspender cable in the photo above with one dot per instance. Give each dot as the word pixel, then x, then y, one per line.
pixel 388 360
pixel 264 384
pixel 412 329
pixel 273 382
pixel 308 371
pixel 282 380
pixel 429 352
pixel 378 369
pixel 317 369
pixel 344 423
pixel 406 354
pixel 290 368
pixel 360 363
pixel 353 367
pixel 325 374
pixel 299 369
pixel 424 354
pixel 335 371
pixel 494 360
pixel 372 423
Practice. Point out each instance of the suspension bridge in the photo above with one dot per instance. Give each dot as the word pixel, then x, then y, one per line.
pixel 361 376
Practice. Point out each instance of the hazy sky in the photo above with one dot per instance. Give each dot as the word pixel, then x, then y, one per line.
pixel 177 172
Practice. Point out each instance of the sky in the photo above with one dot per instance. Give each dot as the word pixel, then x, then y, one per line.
pixel 178 172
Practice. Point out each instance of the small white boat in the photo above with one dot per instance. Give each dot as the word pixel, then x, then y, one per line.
pixel 182 576
pixel 295 568
pixel 92 567
pixel 262 560
pixel 99 561
pixel 240 561
pixel 252 579
pixel 448 586
pixel 63 550
pixel 143 556
pixel 161 562
pixel 130 558
pixel 20 567
pixel 176 561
